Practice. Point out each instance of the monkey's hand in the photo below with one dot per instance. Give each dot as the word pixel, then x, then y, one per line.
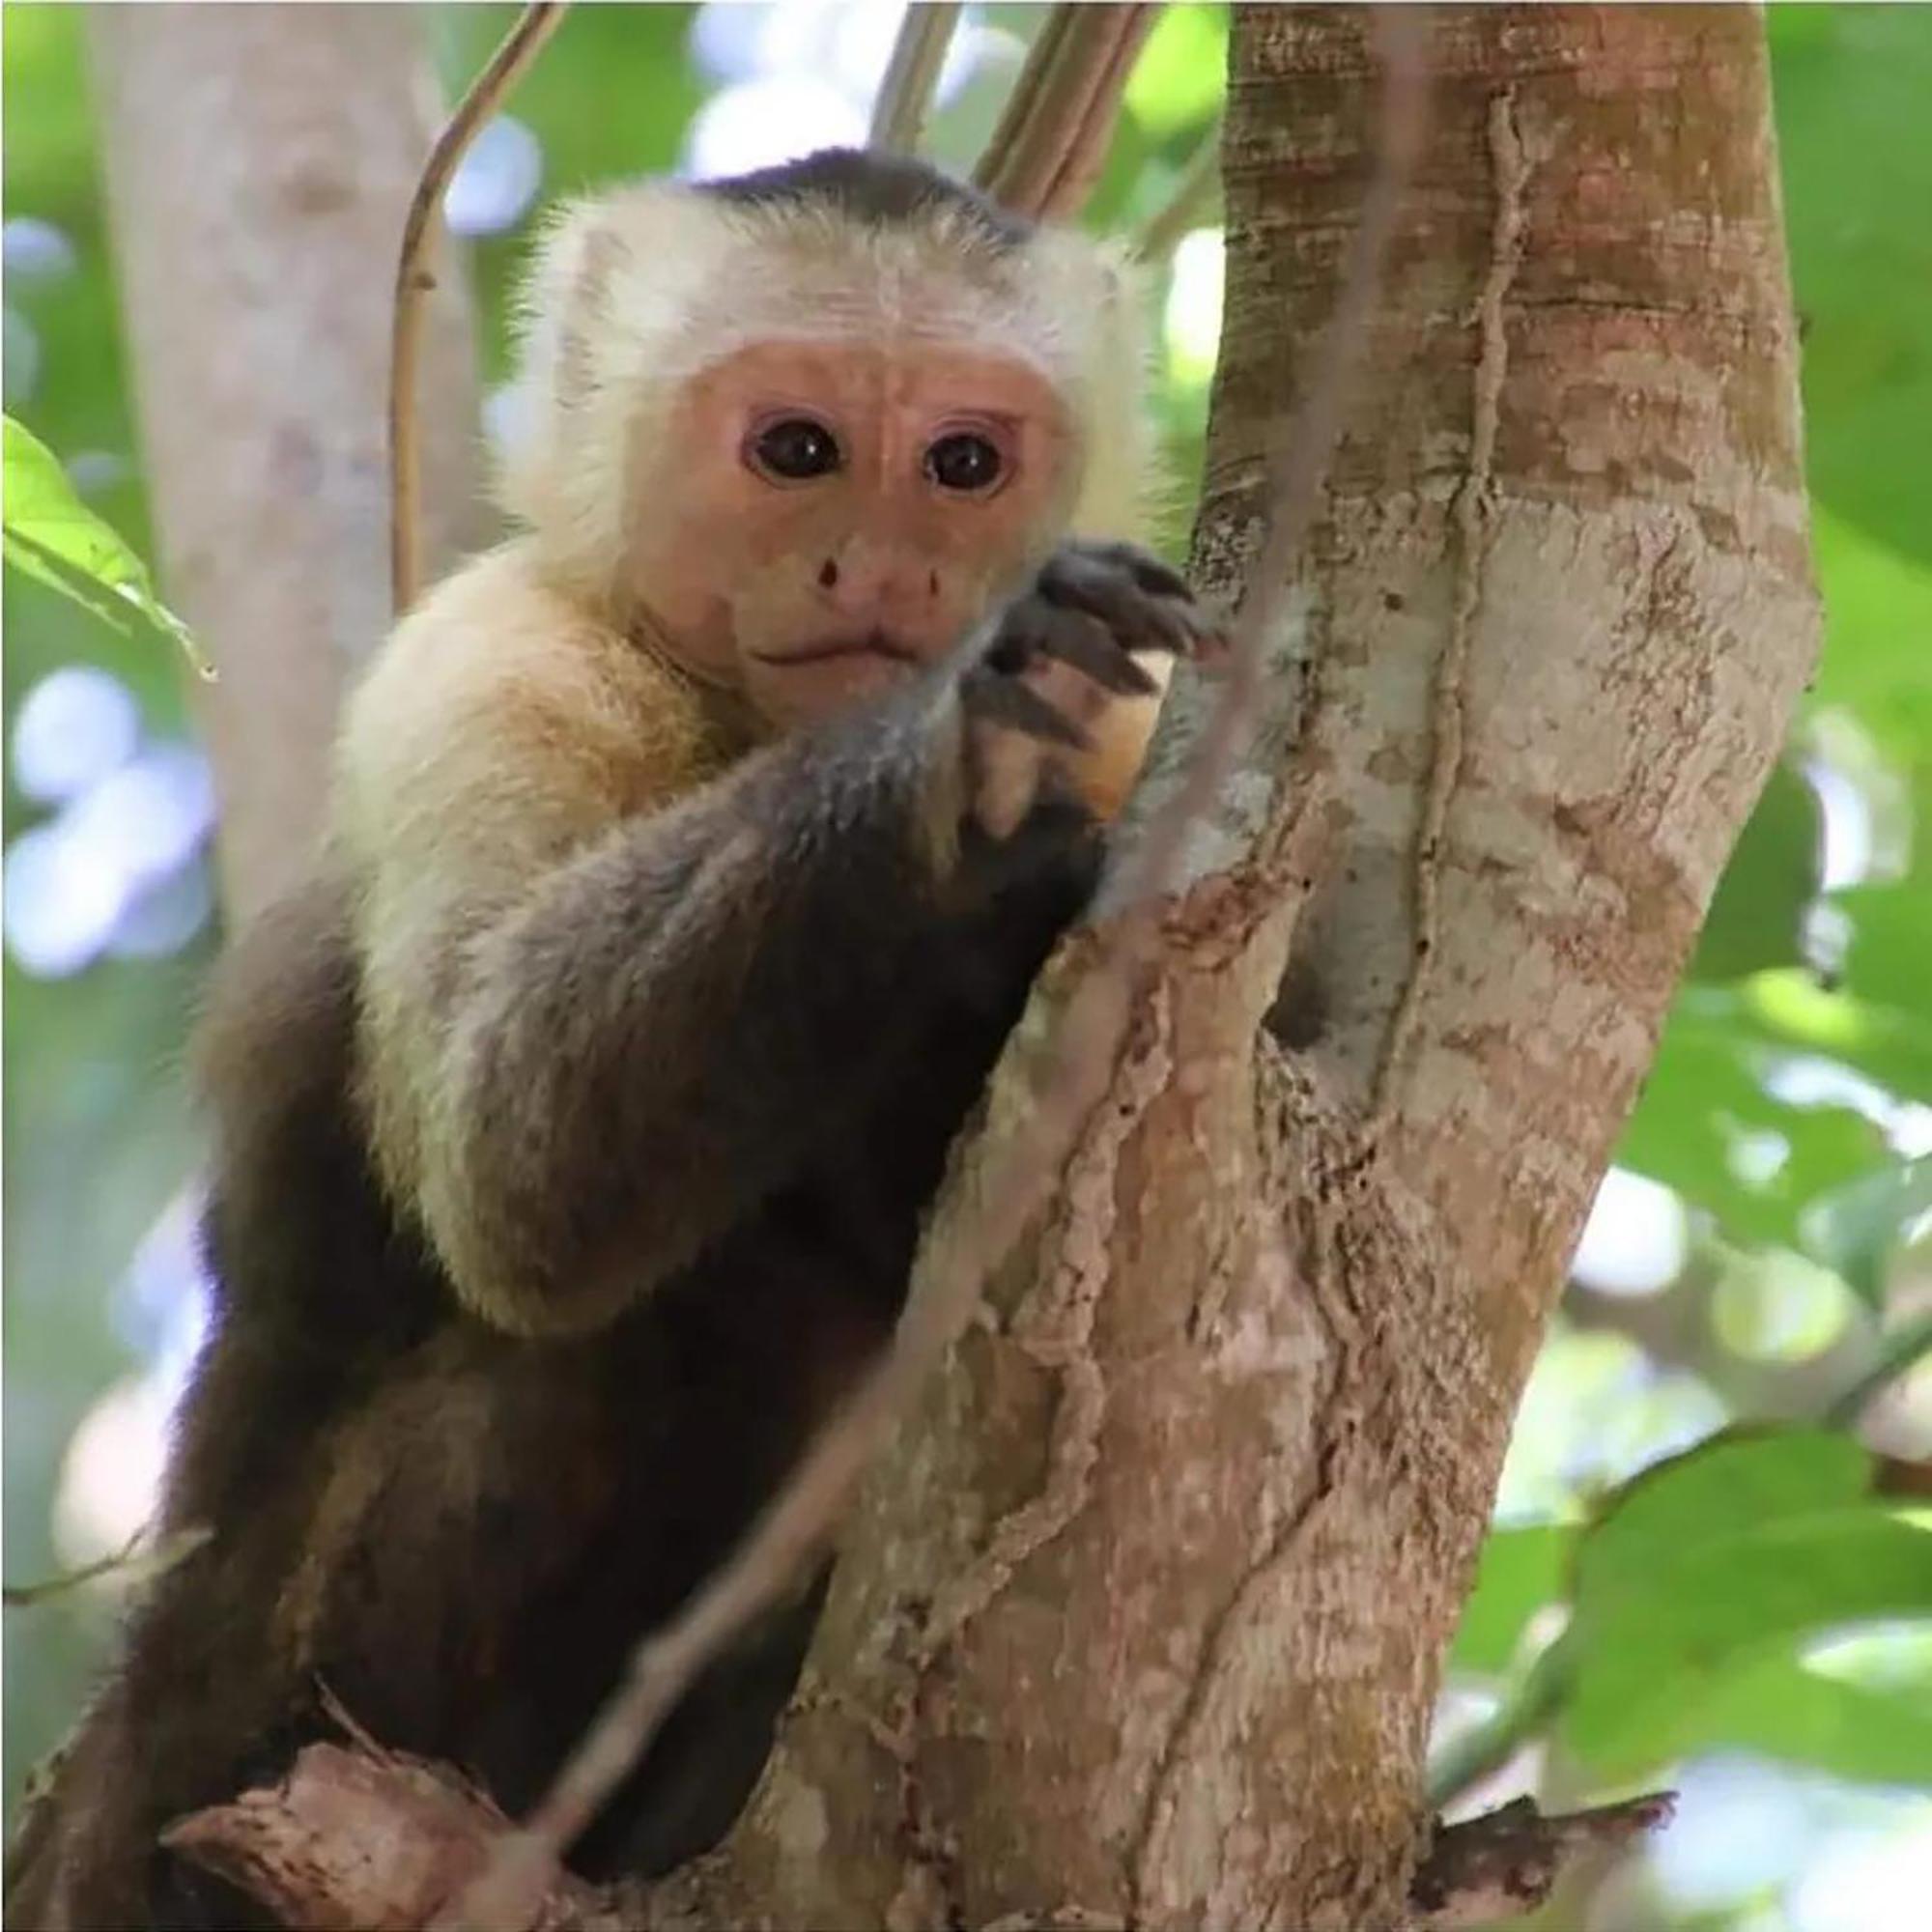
pixel 1057 701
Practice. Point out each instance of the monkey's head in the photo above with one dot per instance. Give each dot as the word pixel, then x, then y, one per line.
pixel 807 425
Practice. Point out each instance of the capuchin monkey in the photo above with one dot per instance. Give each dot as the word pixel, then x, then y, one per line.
pixel 689 859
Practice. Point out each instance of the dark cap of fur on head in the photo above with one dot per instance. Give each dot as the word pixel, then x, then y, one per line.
pixel 876 189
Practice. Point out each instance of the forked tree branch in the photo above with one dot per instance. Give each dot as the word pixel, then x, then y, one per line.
pixel 912 76
pixel 415 281
pixel 1050 143
pixel 1018 1179
pixel 1507 1862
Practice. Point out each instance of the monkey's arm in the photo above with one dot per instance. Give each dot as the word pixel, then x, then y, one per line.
pixel 672 1022
pixel 587 1051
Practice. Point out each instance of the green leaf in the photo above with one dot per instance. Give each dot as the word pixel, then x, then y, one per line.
pixel 1641 1656
pixel 1757 913
pixel 1775 1705
pixel 1518 1571
pixel 1710 1563
pixel 44 567
pixel 1735 1481
pixel 1790 1009
pixel 1889 960
pixel 1851 84
pixel 56 538
pixel 1703 1102
pixel 1877 660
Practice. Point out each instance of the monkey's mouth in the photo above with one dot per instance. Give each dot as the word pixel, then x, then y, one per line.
pixel 831 650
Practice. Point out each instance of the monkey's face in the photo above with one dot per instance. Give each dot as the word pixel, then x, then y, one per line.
pixel 824 517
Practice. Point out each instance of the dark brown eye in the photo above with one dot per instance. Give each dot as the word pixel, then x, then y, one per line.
pixel 964 462
pixel 795 450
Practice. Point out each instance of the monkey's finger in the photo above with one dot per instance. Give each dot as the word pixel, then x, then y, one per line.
pixel 1087 644
pixel 1137 622
pixel 1006 701
pixel 1037 627
pixel 1155 577
pixel 1146 604
pixel 1200 631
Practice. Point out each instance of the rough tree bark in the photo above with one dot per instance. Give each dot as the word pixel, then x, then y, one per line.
pixel 1140 1623
pixel 259 162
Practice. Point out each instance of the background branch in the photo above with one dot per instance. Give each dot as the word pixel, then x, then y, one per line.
pixel 1485 1748
pixel 1050 143
pixel 1899 1354
pixel 132 1564
pixel 1189 203
pixel 415 281
pixel 912 76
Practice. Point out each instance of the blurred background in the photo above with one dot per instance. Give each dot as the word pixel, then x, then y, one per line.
pixel 1751 1622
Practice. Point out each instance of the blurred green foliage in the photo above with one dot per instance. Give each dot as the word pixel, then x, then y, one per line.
pixel 1690 1596
pixel 1681 1611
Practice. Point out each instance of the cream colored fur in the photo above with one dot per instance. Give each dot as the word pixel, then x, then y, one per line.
pixel 634 291
pixel 514 717
pixel 501 729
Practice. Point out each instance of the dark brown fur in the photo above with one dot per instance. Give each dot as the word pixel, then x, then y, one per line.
pixel 694 1041
pixel 731 1051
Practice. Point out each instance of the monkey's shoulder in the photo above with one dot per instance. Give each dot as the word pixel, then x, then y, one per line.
pixel 502 692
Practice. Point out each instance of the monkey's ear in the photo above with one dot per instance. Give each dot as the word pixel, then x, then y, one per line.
pixel 603 342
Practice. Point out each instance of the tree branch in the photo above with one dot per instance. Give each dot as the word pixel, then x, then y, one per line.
pixel 1195 191
pixel 1507 1862
pixel 1017 1181
pixel 413 281
pixel 1050 143
pixel 362 1837
pixel 912 76
pixel 1486 1748
pixel 1899 1354
pixel 129 1565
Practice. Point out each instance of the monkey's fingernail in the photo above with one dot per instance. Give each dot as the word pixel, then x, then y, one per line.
pixel 1005 701
pixel 1159 628
pixel 1137 620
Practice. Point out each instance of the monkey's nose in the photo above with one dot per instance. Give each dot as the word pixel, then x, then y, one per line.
pixel 868 582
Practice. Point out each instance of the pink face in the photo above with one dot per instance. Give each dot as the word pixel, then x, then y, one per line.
pixel 838 511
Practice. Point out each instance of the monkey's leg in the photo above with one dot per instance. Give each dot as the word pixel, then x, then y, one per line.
pixel 504 1522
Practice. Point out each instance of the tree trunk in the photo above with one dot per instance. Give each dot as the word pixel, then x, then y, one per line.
pixel 259 162
pixel 1140 1623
